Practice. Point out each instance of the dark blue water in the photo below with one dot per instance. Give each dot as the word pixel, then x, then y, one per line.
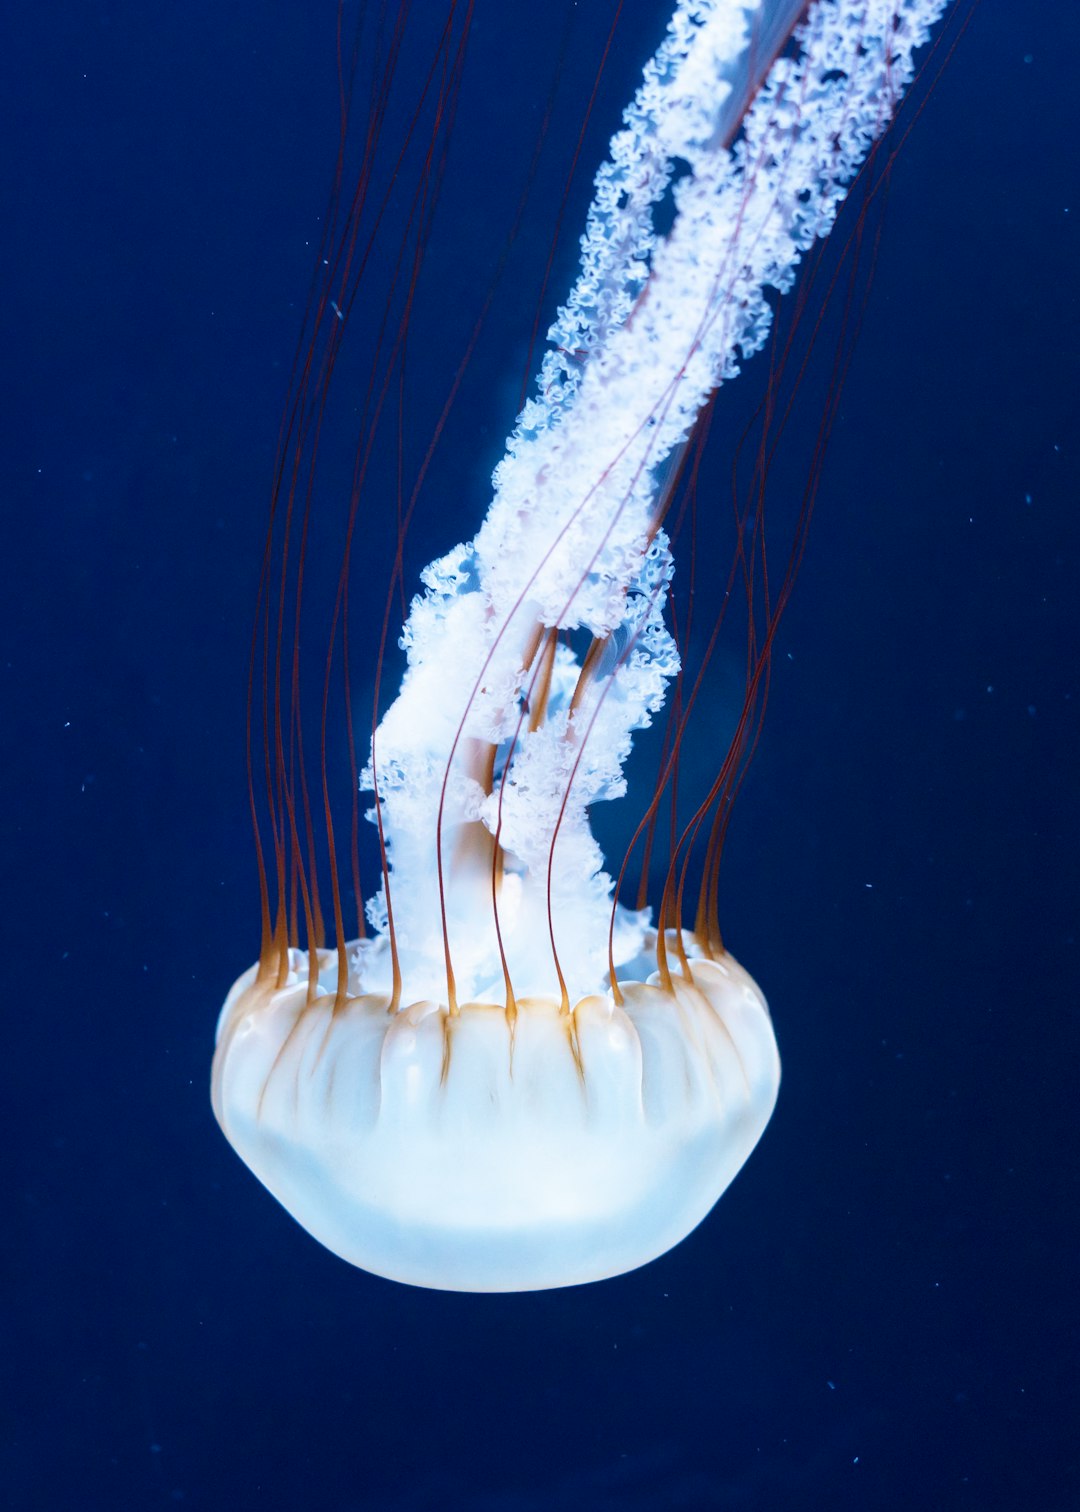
pixel 881 1313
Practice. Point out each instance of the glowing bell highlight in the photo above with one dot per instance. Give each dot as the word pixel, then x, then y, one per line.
pixel 469 1152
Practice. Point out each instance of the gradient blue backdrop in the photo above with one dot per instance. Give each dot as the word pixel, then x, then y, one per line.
pixel 881 1313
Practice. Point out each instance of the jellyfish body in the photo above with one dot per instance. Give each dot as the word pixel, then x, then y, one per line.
pixel 482 1152
pixel 515 1082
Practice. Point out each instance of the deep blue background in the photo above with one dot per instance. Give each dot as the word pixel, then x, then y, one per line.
pixel 882 1312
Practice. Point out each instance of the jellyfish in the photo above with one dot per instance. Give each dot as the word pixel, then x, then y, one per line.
pixel 512 1080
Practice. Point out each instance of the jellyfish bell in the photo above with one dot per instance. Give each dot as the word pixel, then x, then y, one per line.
pixel 509 1080
pixel 487 1151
